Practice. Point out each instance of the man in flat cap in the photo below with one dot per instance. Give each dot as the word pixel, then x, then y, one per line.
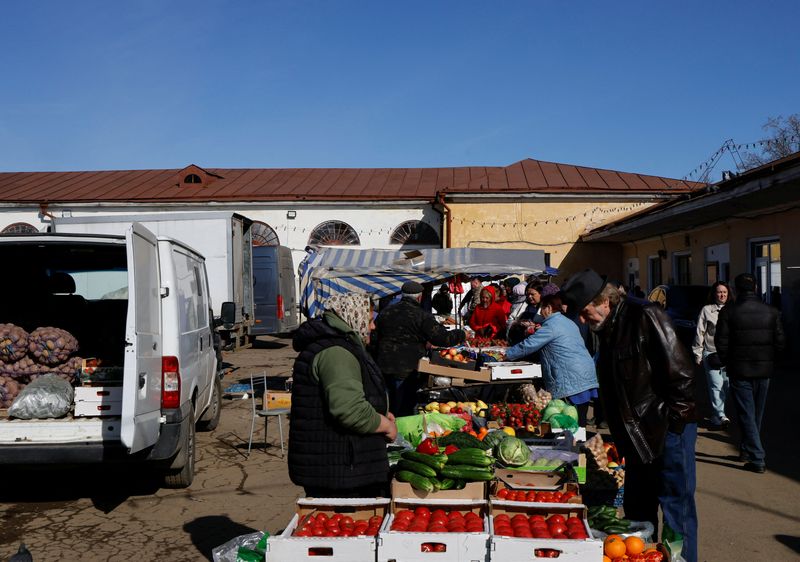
pixel 647 381
pixel 402 331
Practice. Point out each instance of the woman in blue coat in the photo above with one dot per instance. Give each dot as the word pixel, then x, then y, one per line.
pixel 567 367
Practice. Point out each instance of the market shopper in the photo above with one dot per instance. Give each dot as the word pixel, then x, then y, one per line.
pixel 472 299
pixel 518 302
pixel 442 303
pixel 748 338
pixel 647 385
pixel 567 368
pixel 705 353
pixel 402 331
pixel 340 408
pixel 488 320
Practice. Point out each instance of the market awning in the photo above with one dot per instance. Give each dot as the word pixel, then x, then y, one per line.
pixel 383 272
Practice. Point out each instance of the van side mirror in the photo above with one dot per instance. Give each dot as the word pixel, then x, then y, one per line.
pixel 228 313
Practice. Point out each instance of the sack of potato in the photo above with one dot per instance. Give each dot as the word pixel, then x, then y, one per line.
pixel 51 346
pixel 68 371
pixel 13 343
pixel 9 390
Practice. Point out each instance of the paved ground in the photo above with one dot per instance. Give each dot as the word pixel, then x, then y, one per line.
pixel 119 514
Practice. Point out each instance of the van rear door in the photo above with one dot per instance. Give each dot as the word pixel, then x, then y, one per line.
pixel 141 398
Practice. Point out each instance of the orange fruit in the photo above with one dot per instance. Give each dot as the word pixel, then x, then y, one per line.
pixel 614 547
pixel 634 545
pixel 606 558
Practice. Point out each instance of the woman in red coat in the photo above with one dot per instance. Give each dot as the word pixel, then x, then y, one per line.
pixel 488 319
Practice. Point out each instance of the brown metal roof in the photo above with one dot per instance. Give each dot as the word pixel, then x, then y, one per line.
pixel 325 184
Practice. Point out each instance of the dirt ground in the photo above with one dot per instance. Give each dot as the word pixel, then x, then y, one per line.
pixel 117 514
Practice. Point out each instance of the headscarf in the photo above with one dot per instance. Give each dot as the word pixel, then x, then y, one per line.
pixel 518 294
pixel 550 289
pixel 353 309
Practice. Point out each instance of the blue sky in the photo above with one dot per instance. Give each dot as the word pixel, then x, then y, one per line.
pixel 635 86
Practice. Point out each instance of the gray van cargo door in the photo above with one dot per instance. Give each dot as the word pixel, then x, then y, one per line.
pixel 141 394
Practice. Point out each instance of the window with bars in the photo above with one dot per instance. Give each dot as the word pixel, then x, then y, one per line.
pixel 263 234
pixel 20 228
pixel 414 232
pixel 334 233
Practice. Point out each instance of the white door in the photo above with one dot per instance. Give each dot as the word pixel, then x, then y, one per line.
pixel 141 404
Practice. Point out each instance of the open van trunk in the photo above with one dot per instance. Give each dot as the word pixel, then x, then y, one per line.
pixel 105 291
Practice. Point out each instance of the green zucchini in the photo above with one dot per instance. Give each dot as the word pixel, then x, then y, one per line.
pixel 466 472
pixel 472 457
pixel 417 482
pixel 436 462
pixel 418 467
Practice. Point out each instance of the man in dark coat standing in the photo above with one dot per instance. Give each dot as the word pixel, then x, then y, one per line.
pixel 749 335
pixel 402 331
pixel 647 385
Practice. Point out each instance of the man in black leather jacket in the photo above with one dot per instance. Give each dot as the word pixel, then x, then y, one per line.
pixel 647 380
pixel 402 331
pixel 749 335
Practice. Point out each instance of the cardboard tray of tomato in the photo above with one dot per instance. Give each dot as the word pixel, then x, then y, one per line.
pixel 435 542
pixel 553 523
pixel 565 493
pixel 294 544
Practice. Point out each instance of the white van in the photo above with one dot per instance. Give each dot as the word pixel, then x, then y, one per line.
pixel 136 303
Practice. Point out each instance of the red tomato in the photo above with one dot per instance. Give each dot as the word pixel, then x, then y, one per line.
pixel 372 531
pixel 330 525
pixel 541 534
pixel 376 519
pixel 319 531
pixel 333 532
pixel 347 533
pixel 504 532
pixel 346 520
pixel 303 533
pixel 566 496
pixel 519 518
pixel 557 518
pixel 536 517
pixel 472 515
pixel 404 513
pixel 558 530
pixel 530 496
pixel 322 517
pixel 523 533
pixel 539 525
pixel 503 494
pixel 422 510
pixel 336 517
pixel 502 517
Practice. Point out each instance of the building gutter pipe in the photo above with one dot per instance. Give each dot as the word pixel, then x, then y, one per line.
pixel 447 215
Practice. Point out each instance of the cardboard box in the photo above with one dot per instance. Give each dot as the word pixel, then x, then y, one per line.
pixel 457 547
pixel 436 359
pixel 482 375
pixel 580 469
pixel 471 491
pixel 339 549
pixel 514 370
pixel 522 549
pixel 277 399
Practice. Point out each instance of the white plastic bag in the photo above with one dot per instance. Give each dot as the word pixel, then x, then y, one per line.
pixel 229 552
pixel 46 397
pixel 642 529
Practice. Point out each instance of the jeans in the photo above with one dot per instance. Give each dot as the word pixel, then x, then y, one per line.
pixel 750 397
pixel 717 390
pixel 669 481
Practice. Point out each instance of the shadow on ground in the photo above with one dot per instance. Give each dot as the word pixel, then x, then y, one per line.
pixel 212 531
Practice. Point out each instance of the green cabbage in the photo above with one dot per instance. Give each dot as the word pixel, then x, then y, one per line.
pixel 513 451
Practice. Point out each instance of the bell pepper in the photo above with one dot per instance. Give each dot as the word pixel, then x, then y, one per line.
pixel 428 447
pixel 450 449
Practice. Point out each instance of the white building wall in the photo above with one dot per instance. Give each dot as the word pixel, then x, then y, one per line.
pixel 373 224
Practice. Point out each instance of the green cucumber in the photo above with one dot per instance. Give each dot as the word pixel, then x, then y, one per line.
pixel 459 484
pixel 436 462
pixel 466 472
pixel 417 482
pixel 418 467
pixel 615 529
pixel 472 457
pixel 447 483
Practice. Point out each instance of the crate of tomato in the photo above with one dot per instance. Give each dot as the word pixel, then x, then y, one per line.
pixel 426 530
pixel 339 529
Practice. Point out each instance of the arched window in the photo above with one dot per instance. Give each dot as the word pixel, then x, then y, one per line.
pixel 334 233
pixel 414 232
pixel 192 178
pixel 20 228
pixel 263 234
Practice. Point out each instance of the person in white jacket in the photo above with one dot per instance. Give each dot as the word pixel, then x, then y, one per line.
pixel 705 353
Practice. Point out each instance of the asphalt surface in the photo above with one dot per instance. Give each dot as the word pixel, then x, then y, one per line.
pixel 117 513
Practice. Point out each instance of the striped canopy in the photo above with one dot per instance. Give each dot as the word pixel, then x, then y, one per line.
pixel 383 272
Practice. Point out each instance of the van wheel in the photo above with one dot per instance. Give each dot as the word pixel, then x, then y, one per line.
pixel 181 473
pixel 210 419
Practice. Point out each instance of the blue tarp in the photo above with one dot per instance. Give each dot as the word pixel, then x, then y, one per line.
pixel 383 272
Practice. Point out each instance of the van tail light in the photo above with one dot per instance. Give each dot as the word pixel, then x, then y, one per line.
pixel 280 307
pixel 170 383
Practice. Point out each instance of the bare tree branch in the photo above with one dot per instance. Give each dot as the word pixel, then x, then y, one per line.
pixel 783 140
